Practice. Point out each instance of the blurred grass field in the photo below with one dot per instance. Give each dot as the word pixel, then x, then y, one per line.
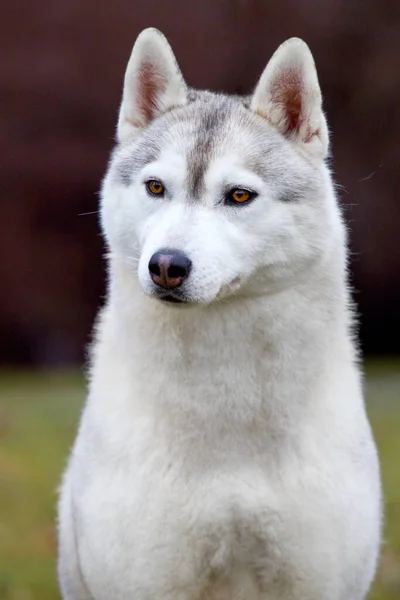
pixel 38 418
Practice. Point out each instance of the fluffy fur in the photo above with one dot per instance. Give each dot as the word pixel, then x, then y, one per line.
pixel 224 451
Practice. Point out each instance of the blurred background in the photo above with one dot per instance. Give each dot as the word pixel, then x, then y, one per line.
pixel 61 72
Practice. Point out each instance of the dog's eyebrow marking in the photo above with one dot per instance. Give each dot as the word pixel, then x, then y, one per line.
pixel 291 189
pixel 260 166
pixel 142 154
pixel 205 140
pixel 259 160
pixel 290 196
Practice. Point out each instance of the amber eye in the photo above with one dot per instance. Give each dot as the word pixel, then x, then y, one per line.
pixel 155 188
pixel 239 196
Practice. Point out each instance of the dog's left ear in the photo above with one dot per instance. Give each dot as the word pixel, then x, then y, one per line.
pixel 153 84
pixel 289 97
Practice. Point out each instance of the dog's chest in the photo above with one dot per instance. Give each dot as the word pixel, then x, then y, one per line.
pixel 137 534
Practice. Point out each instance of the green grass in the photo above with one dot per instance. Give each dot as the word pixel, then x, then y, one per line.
pixel 38 418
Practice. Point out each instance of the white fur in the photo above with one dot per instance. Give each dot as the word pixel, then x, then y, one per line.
pixel 224 451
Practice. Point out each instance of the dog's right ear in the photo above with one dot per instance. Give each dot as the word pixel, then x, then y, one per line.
pixel 153 84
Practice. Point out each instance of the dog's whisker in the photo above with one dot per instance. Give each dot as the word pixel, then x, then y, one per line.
pixel 85 214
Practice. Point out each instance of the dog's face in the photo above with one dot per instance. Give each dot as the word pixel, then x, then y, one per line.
pixel 209 196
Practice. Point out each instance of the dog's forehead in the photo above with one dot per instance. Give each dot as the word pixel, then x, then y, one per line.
pixel 222 127
pixel 208 127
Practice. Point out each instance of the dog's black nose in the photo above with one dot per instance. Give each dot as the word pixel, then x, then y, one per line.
pixel 169 268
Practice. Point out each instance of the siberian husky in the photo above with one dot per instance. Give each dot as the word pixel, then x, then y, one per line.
pixel 224 451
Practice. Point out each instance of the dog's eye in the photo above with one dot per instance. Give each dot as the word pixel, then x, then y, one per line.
pixel 239 196
pixel 155 188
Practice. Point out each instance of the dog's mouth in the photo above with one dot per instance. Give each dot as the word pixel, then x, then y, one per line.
pixel 178 298
pixel 171 298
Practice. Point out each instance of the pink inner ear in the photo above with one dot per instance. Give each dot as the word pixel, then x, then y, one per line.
pixel 150 85
pixel 294 108
pixel 287 92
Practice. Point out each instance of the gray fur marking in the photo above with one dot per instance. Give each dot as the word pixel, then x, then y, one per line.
pixel 144 152
pixel 203 148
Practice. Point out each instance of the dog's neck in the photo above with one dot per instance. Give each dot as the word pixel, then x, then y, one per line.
pixel 201 363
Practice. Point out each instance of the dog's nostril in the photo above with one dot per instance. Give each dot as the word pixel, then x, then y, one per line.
pixel 176 271
pixel 179 266
pixel 154 265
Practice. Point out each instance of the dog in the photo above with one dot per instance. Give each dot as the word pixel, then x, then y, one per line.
pixel 224 452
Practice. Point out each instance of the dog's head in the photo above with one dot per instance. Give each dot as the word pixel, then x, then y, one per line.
pixel 208 195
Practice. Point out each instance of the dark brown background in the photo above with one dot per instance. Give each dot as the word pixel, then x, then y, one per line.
pixel 61 70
